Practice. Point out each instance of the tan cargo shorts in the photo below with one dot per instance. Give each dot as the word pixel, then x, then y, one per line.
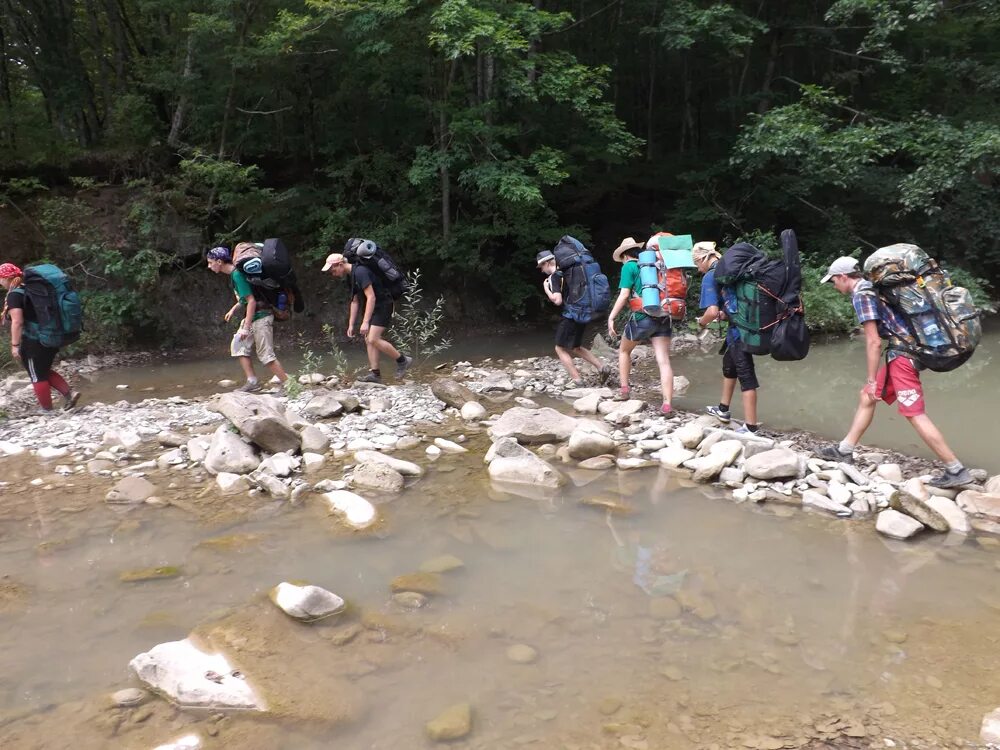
pixel 262 340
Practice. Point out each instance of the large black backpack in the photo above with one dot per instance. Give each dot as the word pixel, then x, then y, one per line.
pixel 373 257
pixel 790 338
pixel 270 273
pixel 586 290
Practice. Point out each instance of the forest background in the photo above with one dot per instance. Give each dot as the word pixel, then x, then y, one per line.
pixel 464 135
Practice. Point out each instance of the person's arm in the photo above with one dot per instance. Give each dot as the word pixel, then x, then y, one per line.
pixel 873 358
pixel 619 305
pixel 710 315
pixel 366 321
pixel 247 326
pixel 232 311
pixel 352 316
pixel 16 331
pixel 555 297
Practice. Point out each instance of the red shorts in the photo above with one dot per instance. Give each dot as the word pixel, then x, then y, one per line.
pixel 902 384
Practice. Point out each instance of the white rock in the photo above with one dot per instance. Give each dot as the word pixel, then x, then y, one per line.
pixel 447 446
pixel 525 469
pixel 377 476
pixel 587 404
pixel 232 484
pixel 122 386
pixel 958 521
pixel 47 453
pixel 187 742
pixel 814 499
pixel 529 426
pixel 131 490
pixel 839 493
pixel 674 455
pixel 889 472
pixel 854 474
pixel 10 449
pixel 527 403
pixel 634 463
pixel 650 446
pixel 433 451
pixel 227 383
pixel 776 463
pixel 127 439
pixel 989 732
pixel 178 670
pixel 473 411
pixel 197 448
pixel 353 509
pixel 860 505
pixel 272 485
pixel 590 439
pixel 323 405
pixel 280 465
pixel 897 525
pixel 314 440
pixel 406 468
pixel 690 434
pixel 732 475
pixel 312 462
pixel 361 444
pixel 229 452
pixel 706 468
pixel 681 385
pixel 306 603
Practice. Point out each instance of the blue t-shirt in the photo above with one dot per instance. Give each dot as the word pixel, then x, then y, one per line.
pixel 712 293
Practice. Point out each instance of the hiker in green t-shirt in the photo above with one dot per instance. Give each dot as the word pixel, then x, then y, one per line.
pixel 257 329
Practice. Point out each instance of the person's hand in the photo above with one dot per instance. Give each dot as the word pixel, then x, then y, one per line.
pixel 871 390
pixel 15 351
pixel 722 315
pixel 611 328
pixel 364 329
pixel 228 316
pixel 243 332
pixel 350 332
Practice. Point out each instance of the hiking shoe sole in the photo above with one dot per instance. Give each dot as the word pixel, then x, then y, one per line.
pixel 249 387
pixel 370 378
pixel 949 480
pixel 832 453
pixel 723 416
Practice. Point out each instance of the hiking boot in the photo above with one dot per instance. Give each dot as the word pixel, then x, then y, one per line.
pixel 370 378
pixel 624 394
pixel 833 453
pixel 402 367
pixel 251 386
pixel 578 383
pixel 949 479
pixel 722 416
pixel 70 400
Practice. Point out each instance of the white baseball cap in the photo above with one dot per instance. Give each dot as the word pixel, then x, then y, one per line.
pixel 843 265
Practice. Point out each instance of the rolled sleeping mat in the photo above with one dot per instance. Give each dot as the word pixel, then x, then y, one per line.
pixel 649 277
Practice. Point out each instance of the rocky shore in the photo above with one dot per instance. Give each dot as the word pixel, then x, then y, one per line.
pixel 542 436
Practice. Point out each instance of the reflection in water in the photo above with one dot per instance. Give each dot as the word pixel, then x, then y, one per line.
pixel 686 622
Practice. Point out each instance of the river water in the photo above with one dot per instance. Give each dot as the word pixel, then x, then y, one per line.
pixel 684 621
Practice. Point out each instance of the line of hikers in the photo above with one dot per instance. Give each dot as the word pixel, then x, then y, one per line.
pixel 902 299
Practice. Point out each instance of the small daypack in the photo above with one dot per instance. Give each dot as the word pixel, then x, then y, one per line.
pixel 377 260
pixel 671 281
pixel 945 326
pixel 57 306
pixel 268 268
pixel 586 290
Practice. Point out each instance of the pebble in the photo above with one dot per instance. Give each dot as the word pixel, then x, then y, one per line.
pixel 521 653
pixel 128 697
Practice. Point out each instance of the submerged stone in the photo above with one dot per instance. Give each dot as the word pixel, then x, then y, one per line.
pixel 151 574
pixel 428 584
pixel 442 564
pixel 521 653
pixel 306 603
pixel 453 723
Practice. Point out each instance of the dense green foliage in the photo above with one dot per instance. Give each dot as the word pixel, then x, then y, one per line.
pixel 464 134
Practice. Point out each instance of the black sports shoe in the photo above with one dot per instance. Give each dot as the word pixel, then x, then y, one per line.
pixel 722 416
pixel 370 378
pixel 402 367
pixel 949 479
pixel 833 453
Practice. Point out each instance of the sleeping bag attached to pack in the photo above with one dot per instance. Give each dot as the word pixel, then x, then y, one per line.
pixel 373 257
pixel 268 267
pixel 586 290
pixel 57 306
pixel 944 322
pixel 661 271
pixel 768 295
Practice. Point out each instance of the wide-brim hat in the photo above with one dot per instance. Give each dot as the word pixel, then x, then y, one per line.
pixel 629 243
pixel 704 249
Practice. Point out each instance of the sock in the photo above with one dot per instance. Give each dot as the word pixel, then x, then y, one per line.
pixel 377 372
pixel 954 468
pixel 400 359
pixel 752 427
pixel 43 392
pixel 846 447
pixel 723 407
pixel 252 380
pixel 59 383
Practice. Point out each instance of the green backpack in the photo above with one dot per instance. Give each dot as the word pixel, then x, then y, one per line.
pixel 57 306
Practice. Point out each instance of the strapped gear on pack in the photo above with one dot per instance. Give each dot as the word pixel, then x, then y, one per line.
pixel 664 283
pixel 945 326
pixel 586 290
pixel 373 257
pixel 768 298
pixel 268 268
pixel 56 304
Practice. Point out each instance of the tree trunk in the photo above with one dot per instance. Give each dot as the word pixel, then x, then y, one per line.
pixel 177 122
pixel 772 61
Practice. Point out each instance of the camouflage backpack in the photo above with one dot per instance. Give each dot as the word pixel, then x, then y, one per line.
pixel 944 323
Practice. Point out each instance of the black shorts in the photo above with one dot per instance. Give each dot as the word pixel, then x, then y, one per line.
pixel 569 333
pixel 736 363
pixel 37 359
pixel 382 315
pixel 647 327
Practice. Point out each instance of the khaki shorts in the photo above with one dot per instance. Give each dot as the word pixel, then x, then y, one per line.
pixel 262 340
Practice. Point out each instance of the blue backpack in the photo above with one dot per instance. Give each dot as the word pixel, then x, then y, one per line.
pixel 586 290
pixel 57 306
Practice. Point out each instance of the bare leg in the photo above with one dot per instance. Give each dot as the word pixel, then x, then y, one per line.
pixel 567 362
pixel 277 370
pixel 625 361
pixel 931 435
pixel 247 364
pixel 376 344
pixel 750 406
pixel 588 356
pixel 862 419
pixel 728 389
pixel 661 348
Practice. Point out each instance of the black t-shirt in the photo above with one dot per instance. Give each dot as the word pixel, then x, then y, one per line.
pixel 17 299
pixel 362 278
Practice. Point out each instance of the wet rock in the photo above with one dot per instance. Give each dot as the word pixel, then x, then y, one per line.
pixel 197 448
pixel 473 411
pixel 985 504
pixel 229 453
pixel 232 484
pixel 533 426
pixel 8 448
pixel 128 697
pixel 706 468
pixel 861 506
pixel 897 525
pixel 674 456
pixel 587 404
pixel 452 724
pixel 814 499
pixel 131 490
pixel 312 462
pixel 442 564
pixel 598 463
pixel 409 600
pixel 957 520
pixel 279 465
pixel 506 448
pixel 433 451
pixel 188 742
pixel 162 573
pixel 272 485
pixel 451 392
pixel 406 468
pixel 127 439
pixel 690 435
pixel 428 584
pixel 261 419
pixel 447 446
pixel 913 506
pixel 634 463
pixel 989 732
pixel 323 405
pixel 590 439
pixel 191 677
pixel 47 453
pixel 664 608
pixel 352 509
pixel 889 472
pixel 839 493
pixel 777 463
pixel 526 469
pixel 170 439
pixel 377 476
pixel 314 440
pixel 306 603
pixel 852 473
pixel 521 653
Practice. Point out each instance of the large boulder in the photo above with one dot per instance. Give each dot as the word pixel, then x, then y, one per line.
pixel 314 440
pixel 229 453
pixel 191 677
pixel 986 504
pixel 261 419
pixel 525 469
pixel 590 439
pixel 406 468
pixel 452 392
pixel 323 405
pixel 377 476
pixel 912 505
pixel 533 425
pixel 777 463
pixel 958 521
